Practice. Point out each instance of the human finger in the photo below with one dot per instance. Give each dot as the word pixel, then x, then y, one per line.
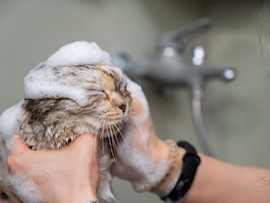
pixel 18 146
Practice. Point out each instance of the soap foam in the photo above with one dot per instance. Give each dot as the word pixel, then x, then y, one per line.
pixel 79 53
pixel 43 81
pixel 9 121
pixel 26 189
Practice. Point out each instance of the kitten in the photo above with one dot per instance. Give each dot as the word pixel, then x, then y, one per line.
pixel 49 123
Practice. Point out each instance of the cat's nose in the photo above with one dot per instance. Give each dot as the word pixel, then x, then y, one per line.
pixel 123 107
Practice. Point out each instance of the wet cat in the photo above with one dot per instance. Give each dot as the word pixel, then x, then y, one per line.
pixel 49 123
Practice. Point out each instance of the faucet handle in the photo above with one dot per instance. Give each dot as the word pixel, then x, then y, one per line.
pixel 179 38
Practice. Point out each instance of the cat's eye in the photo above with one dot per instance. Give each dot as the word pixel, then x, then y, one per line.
pixel 104 93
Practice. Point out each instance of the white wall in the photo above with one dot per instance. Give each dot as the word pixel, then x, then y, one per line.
pixel 239 112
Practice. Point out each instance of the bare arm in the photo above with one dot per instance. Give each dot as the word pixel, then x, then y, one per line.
pixel 220 182
pixel 215 181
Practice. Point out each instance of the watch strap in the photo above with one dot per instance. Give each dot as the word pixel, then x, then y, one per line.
pixel 190 163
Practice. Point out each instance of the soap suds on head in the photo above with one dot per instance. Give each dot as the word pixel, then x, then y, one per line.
pixel 79 53
pixel 44 82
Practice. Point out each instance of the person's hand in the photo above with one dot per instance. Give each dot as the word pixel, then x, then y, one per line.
pixel 142 158
pixel 70 174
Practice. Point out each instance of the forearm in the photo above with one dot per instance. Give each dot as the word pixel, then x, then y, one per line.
pixel 219 182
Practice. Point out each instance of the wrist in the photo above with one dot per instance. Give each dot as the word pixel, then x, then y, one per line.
pixel 171 178
pixel 165 155
pixel 157 165
pixel 191 161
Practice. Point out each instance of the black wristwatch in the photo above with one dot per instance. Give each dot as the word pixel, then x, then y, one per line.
pixel 190 163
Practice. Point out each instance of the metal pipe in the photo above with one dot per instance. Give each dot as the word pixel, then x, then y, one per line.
pixel 196 105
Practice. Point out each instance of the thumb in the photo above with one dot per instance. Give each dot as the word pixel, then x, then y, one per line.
pixel 86 144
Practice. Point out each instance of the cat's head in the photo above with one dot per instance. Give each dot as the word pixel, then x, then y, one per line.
pixel 109 101
pixel 107 104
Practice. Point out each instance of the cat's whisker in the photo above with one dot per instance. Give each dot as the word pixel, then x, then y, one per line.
pixel 112 134
pixel 115 153
pixel 101 117
pixel 101 136
pixel 113 126
pixel 124 124
pixel 110 143
pixel 115 141
pixel 126 118
pixel 115 133
pixel 100 126
pixel 97 123
pixel 125 142
pixel 107 114
pixel 118 130
pixel 102 114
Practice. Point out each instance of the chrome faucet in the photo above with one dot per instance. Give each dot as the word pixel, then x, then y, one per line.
pixel 170 68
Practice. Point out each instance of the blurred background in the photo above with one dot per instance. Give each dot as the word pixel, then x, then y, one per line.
pixel 237 114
